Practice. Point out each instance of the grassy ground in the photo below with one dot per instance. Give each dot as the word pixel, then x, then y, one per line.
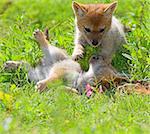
pixel 23 110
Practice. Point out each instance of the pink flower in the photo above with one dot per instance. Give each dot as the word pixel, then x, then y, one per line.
pixel 89 90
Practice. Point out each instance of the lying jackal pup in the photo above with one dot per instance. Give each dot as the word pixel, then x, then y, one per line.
pixel 56 64
pixel 96 26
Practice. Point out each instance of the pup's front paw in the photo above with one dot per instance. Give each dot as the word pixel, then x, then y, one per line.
pixel 40 86
pixel 77 57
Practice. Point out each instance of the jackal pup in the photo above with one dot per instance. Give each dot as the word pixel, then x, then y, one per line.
pixel 96 26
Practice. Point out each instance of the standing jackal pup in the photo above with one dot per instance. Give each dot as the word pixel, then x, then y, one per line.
pixel 96 26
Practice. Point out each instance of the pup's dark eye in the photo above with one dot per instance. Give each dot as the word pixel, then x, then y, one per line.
pixel 87 30
pixel 97 58
pixel 101 30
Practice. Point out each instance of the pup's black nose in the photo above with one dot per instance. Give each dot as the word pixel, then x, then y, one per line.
pixel 95 57
pixel 94 42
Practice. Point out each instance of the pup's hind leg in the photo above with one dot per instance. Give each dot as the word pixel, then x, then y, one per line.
pixel 41 85
pixel 51 53
pixel 56 72
pixel 41 38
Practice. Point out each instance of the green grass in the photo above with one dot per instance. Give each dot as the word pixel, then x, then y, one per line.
pixel 57 111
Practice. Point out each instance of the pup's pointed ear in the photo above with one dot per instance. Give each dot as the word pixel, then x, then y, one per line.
pixel 110 9
pixel 79 9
